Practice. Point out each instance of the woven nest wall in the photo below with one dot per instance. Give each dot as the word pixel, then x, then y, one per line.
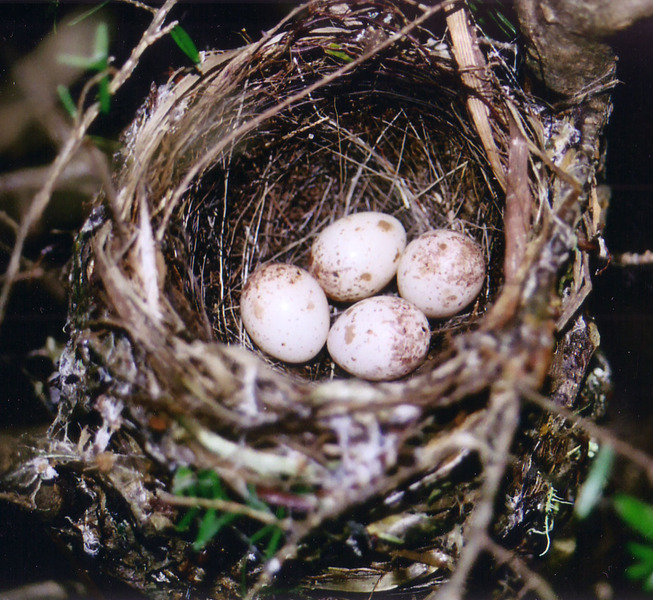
pixel 366 487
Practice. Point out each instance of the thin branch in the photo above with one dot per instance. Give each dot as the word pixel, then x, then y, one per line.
pixel 5 218
pixel 41 201
pixel 151 35
pixel 76 176
pixel 140 5
pixel 503 420
pixel 68 151
pixel 36 273
pixel 531 580
pixel 17 499
pixel 224 506
pixel 634 259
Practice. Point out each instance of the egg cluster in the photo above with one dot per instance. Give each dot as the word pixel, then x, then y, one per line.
pixel 286 312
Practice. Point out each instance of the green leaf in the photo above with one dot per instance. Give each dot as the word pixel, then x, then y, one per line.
pixel 185 43
pixel 88 13
pixel 647 585
pixel 273 544
pixel 104 95
pixel 275 534
pixel 210 526
pixel 592 490
pixel 209 485
pixel 261 534
pixel 335 51
pixel 343 56
pixel 185 522
pixel 81 62
pixel 99 61
pixel 495 14
pixel 643 568
pixel 641 551
pixel 183 481
pixel 101 44
pixel 638 571
pixel 67 100
pixel 504 24
pixel 635 513
pixel 255 502
pixel 274 531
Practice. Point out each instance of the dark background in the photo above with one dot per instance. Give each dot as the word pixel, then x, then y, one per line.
pixel 622 301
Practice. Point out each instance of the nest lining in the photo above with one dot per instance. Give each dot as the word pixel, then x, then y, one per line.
pixel 207 191
pixel 390 137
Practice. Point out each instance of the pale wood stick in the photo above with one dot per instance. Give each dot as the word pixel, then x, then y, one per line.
pixel 472 65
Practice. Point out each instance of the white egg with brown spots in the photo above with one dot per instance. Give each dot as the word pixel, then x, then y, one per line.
pixel 357 256
pixel 380 338
pixel 285 312
pixel 441 272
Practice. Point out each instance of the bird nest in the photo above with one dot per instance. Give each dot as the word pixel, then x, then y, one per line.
pixel 300 477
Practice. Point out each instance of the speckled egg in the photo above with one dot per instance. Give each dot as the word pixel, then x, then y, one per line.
pixel 380 338
pixel 285 312
pixel 441 272
pixel 357 256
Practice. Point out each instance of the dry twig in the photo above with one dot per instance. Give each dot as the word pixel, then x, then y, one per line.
pixel 634 259
pixel 472 64
pixel 70 149
pixel 519 204
pixel 225 506
pixel 531 580
pixel 503 419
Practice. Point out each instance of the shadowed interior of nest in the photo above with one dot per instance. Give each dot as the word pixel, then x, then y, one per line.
pixel 391 136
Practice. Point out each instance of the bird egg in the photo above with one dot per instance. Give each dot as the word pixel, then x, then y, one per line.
pixel 285 312
pixel 441 272
pixel 357 255
pixel 380 338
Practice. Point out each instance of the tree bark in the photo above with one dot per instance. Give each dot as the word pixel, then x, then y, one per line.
pixel 565 39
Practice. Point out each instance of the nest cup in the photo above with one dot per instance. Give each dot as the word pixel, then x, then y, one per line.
pixel 390 135
pixel 342 108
